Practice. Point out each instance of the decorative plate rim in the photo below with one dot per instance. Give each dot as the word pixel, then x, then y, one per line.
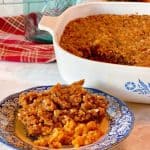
pixel 118 101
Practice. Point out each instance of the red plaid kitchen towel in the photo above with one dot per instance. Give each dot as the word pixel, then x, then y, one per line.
pixel 14 46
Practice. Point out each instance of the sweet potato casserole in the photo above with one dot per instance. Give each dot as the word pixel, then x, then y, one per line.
pixel 120 39
pixel 63 115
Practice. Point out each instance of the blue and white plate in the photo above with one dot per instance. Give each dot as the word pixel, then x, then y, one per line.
pixel 121 122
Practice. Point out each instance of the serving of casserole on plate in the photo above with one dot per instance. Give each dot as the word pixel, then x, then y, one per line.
pixel 64 116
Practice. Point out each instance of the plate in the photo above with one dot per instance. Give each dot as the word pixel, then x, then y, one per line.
pixel 121 122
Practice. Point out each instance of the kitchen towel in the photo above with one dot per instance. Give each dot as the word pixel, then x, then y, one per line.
pixel 14 46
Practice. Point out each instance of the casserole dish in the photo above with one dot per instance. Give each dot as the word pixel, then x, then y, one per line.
pixel 130 83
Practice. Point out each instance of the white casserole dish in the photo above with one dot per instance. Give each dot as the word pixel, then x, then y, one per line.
pixel 129 83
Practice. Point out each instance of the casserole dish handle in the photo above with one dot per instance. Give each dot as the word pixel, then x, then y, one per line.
pixel 48 23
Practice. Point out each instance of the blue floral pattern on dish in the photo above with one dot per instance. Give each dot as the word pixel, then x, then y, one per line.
pixel 121 122
pixel 139 87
